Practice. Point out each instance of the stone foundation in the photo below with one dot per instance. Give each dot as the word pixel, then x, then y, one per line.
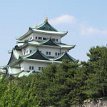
pixel 98 103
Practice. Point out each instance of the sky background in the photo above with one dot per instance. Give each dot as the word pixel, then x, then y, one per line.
pixel 85 21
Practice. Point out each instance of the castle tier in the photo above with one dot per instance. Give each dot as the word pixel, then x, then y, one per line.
pixel 37 48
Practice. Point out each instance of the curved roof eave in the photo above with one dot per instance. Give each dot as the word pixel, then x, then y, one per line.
pixel 50 32
pixel 26 34
pixel 67 46
pixel 46 61
pixel 15 56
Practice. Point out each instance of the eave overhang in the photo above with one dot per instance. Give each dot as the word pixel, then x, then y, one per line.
pixel 12 64
pixel 33 30
pixel 14 58
pixel 66 46
pixel 29 32
pixel 45 61
pixel 47 43
pixel 50 32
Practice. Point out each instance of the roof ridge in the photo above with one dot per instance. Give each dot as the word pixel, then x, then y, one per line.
pixel 45 26
pixel 59 58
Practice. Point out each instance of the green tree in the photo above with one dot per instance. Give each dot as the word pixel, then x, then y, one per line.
pixel 17 92
pixel 61 85
pixel 97 72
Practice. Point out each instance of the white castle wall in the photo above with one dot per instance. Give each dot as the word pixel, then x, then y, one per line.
pixel 43 49
pixel 34 36
pixel 27 49
pixel 49 49
pixel 48 36
pixel 36 65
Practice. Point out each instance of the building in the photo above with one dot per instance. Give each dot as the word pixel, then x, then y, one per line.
pixel 37 48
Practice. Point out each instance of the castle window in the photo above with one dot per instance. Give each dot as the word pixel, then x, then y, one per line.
pixel 40 38
pixel 26 51
pixel 31 67
pixel 55 53
pixel 35 37
pixel 44 38
pixel 48 53
pixel 30 51
pixel 40 68
pixel 56 40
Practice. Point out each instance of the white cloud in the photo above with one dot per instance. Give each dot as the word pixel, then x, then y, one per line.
pixel 64 19
pixel 89 30
pixel 79 27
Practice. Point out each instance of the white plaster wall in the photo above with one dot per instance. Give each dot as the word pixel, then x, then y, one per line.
pixel 52 50
pixel 25 65
pixel 26 50
pixel 43 49
pixel 47 36
pixel 49 49
pixel 33 48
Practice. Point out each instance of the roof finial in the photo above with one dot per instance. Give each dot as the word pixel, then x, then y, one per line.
pixel 46 19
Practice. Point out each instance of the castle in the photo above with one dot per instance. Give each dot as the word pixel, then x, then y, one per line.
pixel 37 48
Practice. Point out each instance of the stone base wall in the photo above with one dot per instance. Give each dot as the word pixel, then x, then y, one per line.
pixel 97 103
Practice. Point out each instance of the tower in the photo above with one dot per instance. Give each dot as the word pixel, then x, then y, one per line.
pixel 37 48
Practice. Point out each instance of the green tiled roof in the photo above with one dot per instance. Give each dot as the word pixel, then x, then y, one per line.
pixel 12 59
pixel 37 55
pixel 65 56
pixel 46 26
pixel 49 42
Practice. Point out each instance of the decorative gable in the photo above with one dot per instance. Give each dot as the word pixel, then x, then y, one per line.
pixel 37 55
pixel 46 26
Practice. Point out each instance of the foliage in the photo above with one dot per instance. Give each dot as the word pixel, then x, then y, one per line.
pixel 97 72
pixel 17 93
pixel 59 85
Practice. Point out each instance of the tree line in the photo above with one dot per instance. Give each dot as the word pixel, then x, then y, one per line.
pixel 59 85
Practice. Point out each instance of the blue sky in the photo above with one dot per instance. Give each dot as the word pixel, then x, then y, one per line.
pixel 85 21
